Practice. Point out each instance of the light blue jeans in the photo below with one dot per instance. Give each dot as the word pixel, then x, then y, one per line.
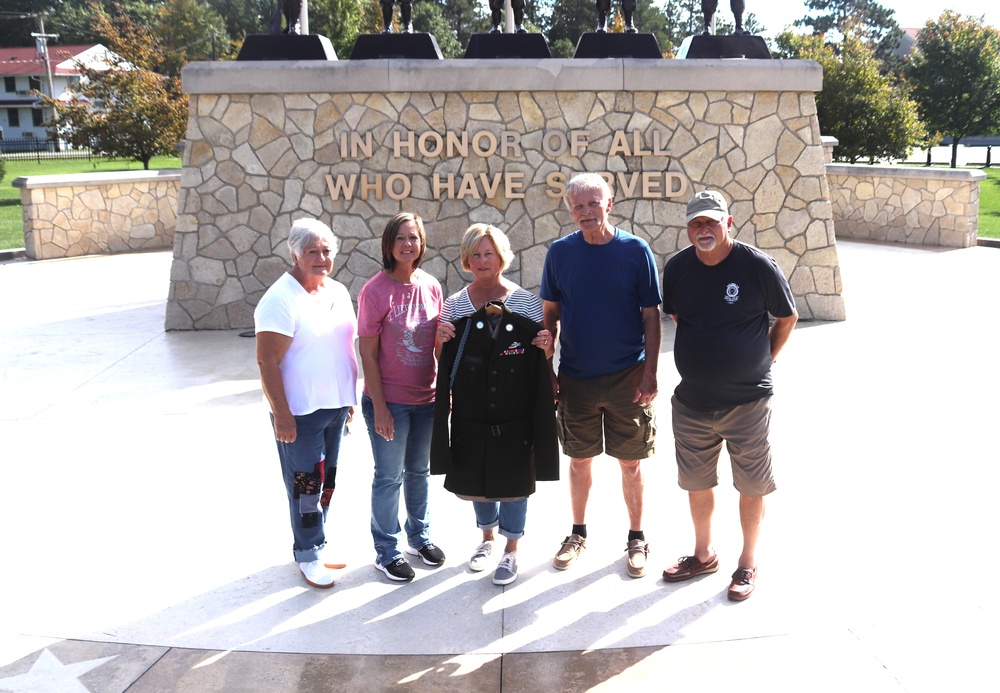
pixel 509 516
pixel 309 470
pixel 403 462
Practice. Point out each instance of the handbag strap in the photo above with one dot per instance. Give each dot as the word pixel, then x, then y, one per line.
pixel 458 356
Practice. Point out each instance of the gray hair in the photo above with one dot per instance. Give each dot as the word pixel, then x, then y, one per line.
pixel 585 182
pixel 306 231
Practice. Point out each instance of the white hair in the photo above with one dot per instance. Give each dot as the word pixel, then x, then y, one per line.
pixel 306 231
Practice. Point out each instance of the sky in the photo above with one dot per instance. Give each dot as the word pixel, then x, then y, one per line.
pixel 775 14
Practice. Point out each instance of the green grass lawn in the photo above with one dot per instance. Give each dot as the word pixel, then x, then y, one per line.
pixel 989 204
pixel 11 224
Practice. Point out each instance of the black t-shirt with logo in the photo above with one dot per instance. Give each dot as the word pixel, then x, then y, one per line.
pixel 721 348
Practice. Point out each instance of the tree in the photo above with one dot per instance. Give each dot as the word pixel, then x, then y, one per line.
pixel 871 116
pixel 188 30
pixel 340 21
pixel 570 18
pixel 243 17
pixel 428 16
pixel 123 109
pixel 955 72
pixel 867 19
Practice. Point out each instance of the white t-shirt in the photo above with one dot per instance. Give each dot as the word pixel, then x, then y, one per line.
pixel 320 369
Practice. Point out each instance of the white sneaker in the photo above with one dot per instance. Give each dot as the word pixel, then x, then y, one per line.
pixel 481 558
pixel 317 574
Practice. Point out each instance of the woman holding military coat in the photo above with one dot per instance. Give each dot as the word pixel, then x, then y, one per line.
pixel 495 390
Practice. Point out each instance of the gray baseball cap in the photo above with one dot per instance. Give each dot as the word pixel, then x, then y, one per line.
pixel 708 203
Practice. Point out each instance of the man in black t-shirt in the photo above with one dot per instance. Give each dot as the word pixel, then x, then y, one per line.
pixel 720 293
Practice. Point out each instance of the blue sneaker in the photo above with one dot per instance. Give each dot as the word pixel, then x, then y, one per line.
pixel 506 572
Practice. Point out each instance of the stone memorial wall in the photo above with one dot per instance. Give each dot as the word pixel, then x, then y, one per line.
pixel 464 141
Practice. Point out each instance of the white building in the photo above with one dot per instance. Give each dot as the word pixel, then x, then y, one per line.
pixel 24 70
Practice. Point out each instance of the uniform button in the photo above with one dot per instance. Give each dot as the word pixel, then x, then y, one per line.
pixel 493 372
pixel 492 405
pixel 493 389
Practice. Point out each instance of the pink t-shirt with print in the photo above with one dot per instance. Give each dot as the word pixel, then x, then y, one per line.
pixel 404 317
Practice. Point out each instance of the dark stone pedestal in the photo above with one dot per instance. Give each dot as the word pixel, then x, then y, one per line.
pixel 380 46
pixel 713 47
pixel 507 46
pixel 286 47
pixel 607 45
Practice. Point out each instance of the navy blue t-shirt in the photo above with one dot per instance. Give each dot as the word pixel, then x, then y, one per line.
pixel 721 348
pixel 601 291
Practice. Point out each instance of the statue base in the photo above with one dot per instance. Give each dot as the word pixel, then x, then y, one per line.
pixel 708 47
pixel 286 47
pixel 420 46
pixel 607 45
pixel 507 46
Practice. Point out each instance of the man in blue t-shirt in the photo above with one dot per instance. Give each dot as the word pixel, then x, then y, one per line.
pixel 600 296
pixel 720 293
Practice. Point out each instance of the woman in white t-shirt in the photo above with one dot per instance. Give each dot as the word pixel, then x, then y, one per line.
pixel 306 329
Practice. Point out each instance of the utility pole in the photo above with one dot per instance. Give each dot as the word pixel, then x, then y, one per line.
pixel 42 46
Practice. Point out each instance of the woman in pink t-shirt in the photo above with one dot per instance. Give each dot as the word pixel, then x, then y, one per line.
pixel 397 318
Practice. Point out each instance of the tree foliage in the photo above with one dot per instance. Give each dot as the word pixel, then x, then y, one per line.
pixel 955 73
pixel 872 117
pixel 866 19
pixel 187 30
pixel 123 109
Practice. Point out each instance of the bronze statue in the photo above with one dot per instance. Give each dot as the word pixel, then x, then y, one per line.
pixel 405 15
pixel 604 8
pixel 708 8
pixel 292 11
pixel 496 9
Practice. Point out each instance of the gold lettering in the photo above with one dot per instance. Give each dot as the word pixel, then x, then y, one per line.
pixel 370 185
pixel 658 148
pixel 361 145
pixel 637 149
pixel 651 184
pixel 676 185
pixel 561 144
pixel 398 144
pixel 514 186
pixel 628 187
pixel 458 144
pixel 437 143
pixel 491 143
pixel 340 186
pixel 467 188
pixel 390 186
pixel 557 185
pixel 510 144
pixel 445 185
pixel 619 145
pixel 488 188
pixel 578 140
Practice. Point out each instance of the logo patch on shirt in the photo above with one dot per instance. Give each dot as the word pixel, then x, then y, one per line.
pixel 732 293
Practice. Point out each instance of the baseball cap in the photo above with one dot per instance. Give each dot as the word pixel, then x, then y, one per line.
pixel 707 203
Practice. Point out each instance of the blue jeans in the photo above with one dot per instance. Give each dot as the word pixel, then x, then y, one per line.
pixel 403 461
pixel 508 515
pixel 309 470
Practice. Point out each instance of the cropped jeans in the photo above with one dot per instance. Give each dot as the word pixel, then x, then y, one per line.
pixel 309 470
pixel 403 462
pixel 509 516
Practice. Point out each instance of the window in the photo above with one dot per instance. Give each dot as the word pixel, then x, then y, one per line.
pixel 34 83
pixel 37 118
pixel 13 119
pixel 10 84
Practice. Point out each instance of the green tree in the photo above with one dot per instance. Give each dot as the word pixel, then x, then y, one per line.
pixel 243 17
pixel 428 16
pixel 187 30
pixel 123 109
pixel 340 21
pixel 866 19
pixel 872 117
pixel 955 73
pixel 570 19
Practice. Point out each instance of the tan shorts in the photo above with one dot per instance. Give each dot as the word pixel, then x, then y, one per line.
pixel 698 438
pixel 598 415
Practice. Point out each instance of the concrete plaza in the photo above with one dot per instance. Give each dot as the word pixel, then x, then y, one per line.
pixel 145 546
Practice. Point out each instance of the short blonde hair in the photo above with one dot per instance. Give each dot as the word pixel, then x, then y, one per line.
pixel 478 232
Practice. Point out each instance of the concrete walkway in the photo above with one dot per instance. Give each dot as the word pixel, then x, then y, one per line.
pixel 144 539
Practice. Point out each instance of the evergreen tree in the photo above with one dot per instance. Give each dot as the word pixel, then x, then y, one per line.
pixel 866 19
